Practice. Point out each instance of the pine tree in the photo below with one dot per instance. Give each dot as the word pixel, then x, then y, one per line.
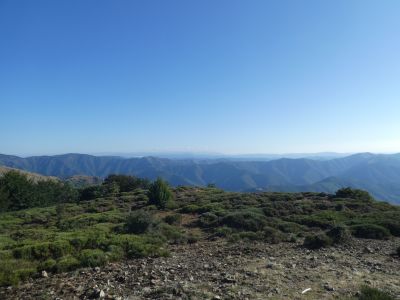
pixel 159 193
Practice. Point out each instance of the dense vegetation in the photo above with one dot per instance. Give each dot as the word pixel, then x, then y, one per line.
pixel 17 191
pixel 128 217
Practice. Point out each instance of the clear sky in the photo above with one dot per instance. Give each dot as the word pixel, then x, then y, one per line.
pixel 228 76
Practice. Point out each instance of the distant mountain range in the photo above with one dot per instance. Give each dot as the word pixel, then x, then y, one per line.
pixel 377 173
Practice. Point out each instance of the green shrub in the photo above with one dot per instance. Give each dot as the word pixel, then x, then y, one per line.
pixel 12 271
pixel 43 250
pixel 369 293
pixel 324 219
pixel 392 225
pixel 317 241
pixel 139 222
pixel 115 253
pixel 291 227
pixel 159 193
pixel 353 194
pixel 193 237
pixel 223 231
pixel 273 235
pixel 5 254
pixel 339 234
pixel 174 219
pixel 140 246
pixel 47 265
pixel 190 209
pixel 92 258
pixel 67 263
pixel 208 219
pixel 246 235
pixel 173 234
pixel 60 248
pixel 370 231
pixel 243 220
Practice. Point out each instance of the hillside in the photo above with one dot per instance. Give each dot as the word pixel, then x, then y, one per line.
pixel 205 244
pixel 379 174
pixel 32 176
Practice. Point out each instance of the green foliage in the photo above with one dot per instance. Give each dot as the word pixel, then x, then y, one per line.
pixel 325 219
pixel 317 241
pixel 127 183
pixel 43 250
pixel 369 293
pixel 273 235
pixel 172 233
pixel 370 231
pixel 92 258
pixel 244 220
pixel 353 194
pixel 191 208
pixel 139 246
pixel 67 263
pixel 18 192
pixel 139 222
pixel 339 234
pixel 13 271
pixel 48 265
pixel 91 192
pixel 208 219
pixel 392 225
pixel 174 219
pixel 245 235
pixel 159 193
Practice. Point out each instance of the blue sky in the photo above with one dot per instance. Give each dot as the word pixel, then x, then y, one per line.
pixel 205 76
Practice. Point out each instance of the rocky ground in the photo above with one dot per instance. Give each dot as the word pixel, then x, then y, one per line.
pixel 220 270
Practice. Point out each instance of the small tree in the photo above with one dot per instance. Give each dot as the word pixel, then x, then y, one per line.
pixel 159 193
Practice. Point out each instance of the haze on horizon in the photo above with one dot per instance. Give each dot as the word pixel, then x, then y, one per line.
pixel 231 77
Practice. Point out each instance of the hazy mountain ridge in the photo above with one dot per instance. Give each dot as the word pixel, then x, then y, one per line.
pixel 377 173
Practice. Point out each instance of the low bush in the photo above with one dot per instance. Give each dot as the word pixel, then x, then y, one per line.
pixel 47 265
pixel 172 233
pixel 193 237
pixel 190 209
pixel 247 221
pixel 353 194
pixel 392 225
pixel 246 235
pixel 291 227
pixel 317 241
pixel 223 231
pixel 67 263
pixel 273 235
pixel 114 253
pixel 92 258
pixel 43 250
pixel 13 271
pixel 339 234
pixel 208 219
pixel 369 293
pixel 135 246
pixel 139 222
pixel 370 231
pixel 174 219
